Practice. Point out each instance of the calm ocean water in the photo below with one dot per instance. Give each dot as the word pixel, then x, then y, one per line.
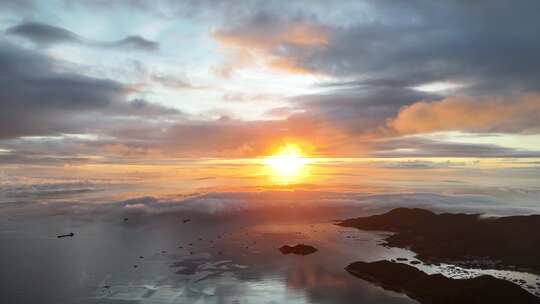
pixel 133 242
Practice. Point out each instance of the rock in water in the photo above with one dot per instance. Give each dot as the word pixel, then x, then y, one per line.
pixel 300 249
pixel 439 289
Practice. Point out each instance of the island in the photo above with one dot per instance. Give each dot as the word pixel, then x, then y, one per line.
pixel 300 249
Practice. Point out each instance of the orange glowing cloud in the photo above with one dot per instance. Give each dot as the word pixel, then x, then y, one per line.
pixel 295 34
pixel 270 44
pixel 477 114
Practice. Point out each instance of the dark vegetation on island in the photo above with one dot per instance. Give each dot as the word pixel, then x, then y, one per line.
pixel 299 249
pixel 462 239
pixel 438 289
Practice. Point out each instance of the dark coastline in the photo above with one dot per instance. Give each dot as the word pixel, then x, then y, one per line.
pixel 437 288
pixel 510 243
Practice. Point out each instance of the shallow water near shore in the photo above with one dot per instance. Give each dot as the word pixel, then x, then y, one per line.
pixel 163 260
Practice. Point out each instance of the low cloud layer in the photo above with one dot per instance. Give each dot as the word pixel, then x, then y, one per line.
pixel 267 204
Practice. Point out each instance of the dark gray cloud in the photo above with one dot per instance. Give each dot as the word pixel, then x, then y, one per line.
pixel 134 42
pixel 489 45
pixel 45 34
pixel 358 110
pixel 421 147
pixel 173 82
pixel 37 100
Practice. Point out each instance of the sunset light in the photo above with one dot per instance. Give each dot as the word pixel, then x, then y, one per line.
pixel 287 163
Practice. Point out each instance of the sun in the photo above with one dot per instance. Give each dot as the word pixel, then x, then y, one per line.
pixel 287 163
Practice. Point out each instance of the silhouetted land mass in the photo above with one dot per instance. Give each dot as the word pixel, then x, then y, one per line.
pixel 464 239
pixel 438 289
pixel 299 249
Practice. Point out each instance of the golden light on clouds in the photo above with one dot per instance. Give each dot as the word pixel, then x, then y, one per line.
pixel 257 47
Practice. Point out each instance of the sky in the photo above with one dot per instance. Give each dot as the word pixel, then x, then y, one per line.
pixel 93 82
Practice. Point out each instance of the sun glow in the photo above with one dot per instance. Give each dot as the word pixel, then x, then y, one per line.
pixel 287 164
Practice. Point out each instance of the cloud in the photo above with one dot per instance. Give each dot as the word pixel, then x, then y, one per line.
pixel 173 82
pixel 36 99
pixel 268 204
pixel 17 5
pixel 266 31
pixel 39 101
pixel 243 97
pixel 422 147
pixel 358 111
pixel 133 42
pixel 44 35
pixel 268 37
pixel 235 138
pixel 412 44
pixel 474 114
